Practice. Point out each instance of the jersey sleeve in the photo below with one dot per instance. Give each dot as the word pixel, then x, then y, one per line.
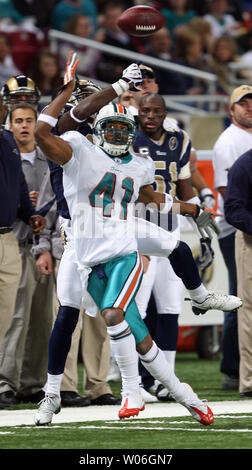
pixel 79 144
pixel 185 172
pixel 150 172
pixel 185 149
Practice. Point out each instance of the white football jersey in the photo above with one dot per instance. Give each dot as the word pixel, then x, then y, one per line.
pixel 100 193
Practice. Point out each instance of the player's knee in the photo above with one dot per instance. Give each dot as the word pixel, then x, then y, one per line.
pixel 180 252
pixel 145 345
pixel 112 316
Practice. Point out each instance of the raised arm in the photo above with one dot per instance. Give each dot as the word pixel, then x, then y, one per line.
pixel 131 77
pixel 55 148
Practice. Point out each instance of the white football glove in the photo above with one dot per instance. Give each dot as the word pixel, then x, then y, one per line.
pixel 131 74
pixel 207 198
pixel 71 66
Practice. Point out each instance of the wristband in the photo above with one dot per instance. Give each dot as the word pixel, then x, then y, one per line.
pixel 167 205
pixel 194 200
pixel 206 192
pixel 48 119
pixel 74 117
pixel 120 86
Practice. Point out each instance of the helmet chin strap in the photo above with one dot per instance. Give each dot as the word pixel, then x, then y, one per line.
pixel 115 150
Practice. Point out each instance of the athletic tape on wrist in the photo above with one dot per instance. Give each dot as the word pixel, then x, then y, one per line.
pixel 194 200
pixel 48 119
pixel 74 117
pixel 206 192
pixel 120 86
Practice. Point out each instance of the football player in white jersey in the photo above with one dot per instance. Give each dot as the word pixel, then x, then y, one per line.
pixel 101 184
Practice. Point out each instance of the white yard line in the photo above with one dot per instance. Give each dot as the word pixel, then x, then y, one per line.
pixel 110 413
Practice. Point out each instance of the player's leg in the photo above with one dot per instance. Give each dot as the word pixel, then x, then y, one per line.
pixel 143 301
pixel 167 291
pixel 153 240
pixel 69 295
pixel 121 278
pixel 154 360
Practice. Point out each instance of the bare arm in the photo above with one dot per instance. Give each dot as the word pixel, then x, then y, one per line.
pixel 222 191
pixel 55 148
pixel 185 189
pixel 147 195
pixel 86 108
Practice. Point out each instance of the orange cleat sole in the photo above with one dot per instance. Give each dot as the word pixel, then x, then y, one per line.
pixel 125 412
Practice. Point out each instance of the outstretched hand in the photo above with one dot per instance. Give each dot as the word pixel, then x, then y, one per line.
pixel 71 66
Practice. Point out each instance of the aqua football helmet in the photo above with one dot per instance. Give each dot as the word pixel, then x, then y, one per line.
pixel 113 140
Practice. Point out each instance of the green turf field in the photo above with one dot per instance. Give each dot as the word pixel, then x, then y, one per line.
pixel 229 431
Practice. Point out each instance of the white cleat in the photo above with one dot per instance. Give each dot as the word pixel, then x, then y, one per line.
pixel 215 301
pixel 148 397
pixel 49 406
pixel 198 408
pixel 132 403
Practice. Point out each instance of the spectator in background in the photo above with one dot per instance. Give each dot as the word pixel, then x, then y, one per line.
pixel 23 355
pixel 159 46
pixel 9 14
pixel 221 21
pixel 232 143
pixel 110 67
pixel 82 27
pixel 32 8
pixel 224 51
pixel 7 66
pixel 66 8
pixel 189 52
pixel 46 72
pixel 176 14
pixel 203 28
pixel 15 202
pixel 238 212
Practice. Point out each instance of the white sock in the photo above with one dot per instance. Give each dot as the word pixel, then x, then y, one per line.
pixel 53 384
pixel 199 294
pixel 156 364
pixel 123 347
pixel 170 357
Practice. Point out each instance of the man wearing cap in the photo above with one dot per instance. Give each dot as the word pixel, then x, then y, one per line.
pixel 232 143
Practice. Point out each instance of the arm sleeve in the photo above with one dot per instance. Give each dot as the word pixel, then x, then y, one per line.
pixel 237 199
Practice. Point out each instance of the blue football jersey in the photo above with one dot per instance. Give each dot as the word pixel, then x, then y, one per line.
pixel 171 157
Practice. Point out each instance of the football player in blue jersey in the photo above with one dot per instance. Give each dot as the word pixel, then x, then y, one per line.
pixel 170 149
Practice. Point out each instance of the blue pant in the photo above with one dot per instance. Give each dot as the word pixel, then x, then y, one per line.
pixel 230 349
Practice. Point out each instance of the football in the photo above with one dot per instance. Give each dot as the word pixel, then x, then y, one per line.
pixel 141 21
